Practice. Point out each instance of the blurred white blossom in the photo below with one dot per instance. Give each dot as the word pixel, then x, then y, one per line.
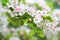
pixel 14 38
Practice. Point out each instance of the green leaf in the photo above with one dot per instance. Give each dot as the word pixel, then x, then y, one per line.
pixel 31 33
pixel 33 38
pixel 14 21
pixel 48 18
pixel 23 1
pixel 26 16
pixel 56 5
pixel 37 30
pixel 38 7
pixel 19 0
pixel 50 3
pixel 6 37
pixel 4 2
pixel 25 20
pixel 1 36
pixel 17 21
pixel 58 35
pixel 31 25
pixel 40 33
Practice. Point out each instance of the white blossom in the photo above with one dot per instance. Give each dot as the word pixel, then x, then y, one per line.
pixel 14 38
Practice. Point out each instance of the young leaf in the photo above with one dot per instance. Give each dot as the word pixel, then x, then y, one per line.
pixel 23 1
pixel 48 18
pixel 31 33
pixel 50 3
pixel 4 2
pixel 38 7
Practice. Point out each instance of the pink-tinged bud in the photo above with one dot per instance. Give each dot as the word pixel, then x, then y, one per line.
pixel 54 27
pixel 17 9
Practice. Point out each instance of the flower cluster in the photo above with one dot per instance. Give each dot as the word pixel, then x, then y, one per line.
pixel 38 14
